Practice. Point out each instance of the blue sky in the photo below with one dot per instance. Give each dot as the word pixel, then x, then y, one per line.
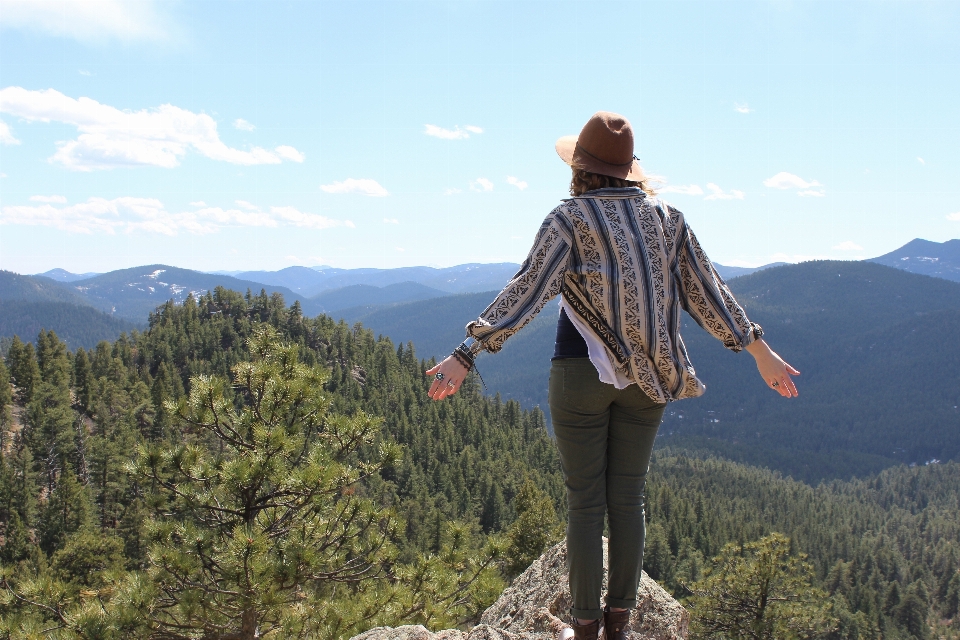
pixel 259 135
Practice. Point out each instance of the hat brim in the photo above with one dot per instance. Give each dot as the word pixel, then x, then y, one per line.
pixel 567 150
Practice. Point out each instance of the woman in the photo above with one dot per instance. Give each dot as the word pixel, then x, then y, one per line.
pixel 624 263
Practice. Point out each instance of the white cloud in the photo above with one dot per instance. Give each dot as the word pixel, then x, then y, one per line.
pixel 451 134
pixel 784 180
pixel 243 204
pixel 297 218
pixel 198 203
pixel 481 184
pixel 243 125
pixel 921 160
pixel 848 245
pixel 86 20
pixel 391 221
pixel 716 193
pixel 451 191
pixel 289 153
pixel 400 249
pixel 687 190
pixel 742 107
pixel 99 215
pixel 363 186
pixel 6 136
pixel 49 199
pixel 954 216
pixel 112 138
pixel 519 184
pixel 816 193
pixel 84 72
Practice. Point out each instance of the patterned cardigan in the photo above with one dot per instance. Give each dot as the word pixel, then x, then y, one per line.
pixel 625 263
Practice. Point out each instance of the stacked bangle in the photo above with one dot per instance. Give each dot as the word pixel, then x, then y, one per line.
pixel 463 356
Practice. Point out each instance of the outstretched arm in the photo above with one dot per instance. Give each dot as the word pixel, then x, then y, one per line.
pixel 534 285
pixel 774 371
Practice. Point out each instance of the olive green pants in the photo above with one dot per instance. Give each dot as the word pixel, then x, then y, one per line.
pixel 605 436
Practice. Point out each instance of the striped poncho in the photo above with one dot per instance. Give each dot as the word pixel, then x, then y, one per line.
pixel 625 264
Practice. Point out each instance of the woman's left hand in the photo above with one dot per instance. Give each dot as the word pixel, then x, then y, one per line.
pixel 451 376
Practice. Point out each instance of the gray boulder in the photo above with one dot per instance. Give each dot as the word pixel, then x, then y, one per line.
pixel 536 606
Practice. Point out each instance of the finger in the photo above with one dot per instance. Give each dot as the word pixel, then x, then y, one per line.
pixel 432 371
pixel 789 384
pixel 791 370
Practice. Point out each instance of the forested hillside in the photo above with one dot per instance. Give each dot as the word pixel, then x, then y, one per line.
pixel 108 456
pixel 76 325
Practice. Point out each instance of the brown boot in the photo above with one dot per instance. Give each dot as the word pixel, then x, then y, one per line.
pixel 586 631
pixel 615 624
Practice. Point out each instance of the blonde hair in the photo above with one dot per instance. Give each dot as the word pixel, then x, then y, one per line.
pixel 583 181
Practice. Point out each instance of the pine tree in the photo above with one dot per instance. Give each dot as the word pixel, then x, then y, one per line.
pixel 759 591
pixel 270 516
pixel 83 380
pixel 67 510
pixel 535 528
pixel 24 371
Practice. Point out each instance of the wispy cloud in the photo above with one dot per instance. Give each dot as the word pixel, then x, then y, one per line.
pixel 49 199
pixel 784 180
pixel 112 138
pixel 481 184
pixel 391 221
pixel 451 134
pixel 742 107
pixel 84 72
pixel 363 186
pixel 100 215
pixel 519 184
pixel 684 189
pixel 451 191
pixel 921 160
pixel 6 136
pixel 86 20
pixel 848 245
pixel 954 216
pixel 243 125
pixel 289 153
pixel 716 193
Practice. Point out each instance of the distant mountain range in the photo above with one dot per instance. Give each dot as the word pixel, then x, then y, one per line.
pixel 938 259
pixel 62 275
pixel 131 294
pixel 309 281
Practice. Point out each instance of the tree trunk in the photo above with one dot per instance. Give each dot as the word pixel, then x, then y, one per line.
pixel 248 624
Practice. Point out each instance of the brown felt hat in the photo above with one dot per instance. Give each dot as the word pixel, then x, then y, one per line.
pixel 604 146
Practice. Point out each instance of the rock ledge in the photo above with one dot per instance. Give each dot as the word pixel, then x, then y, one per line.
pixel 535 607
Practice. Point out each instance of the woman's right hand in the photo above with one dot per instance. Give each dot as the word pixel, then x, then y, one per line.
pixel 774 371
pixel 453 374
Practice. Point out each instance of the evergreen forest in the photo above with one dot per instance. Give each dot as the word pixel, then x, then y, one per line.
pixel 238 470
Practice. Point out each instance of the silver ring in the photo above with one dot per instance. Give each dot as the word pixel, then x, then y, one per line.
pixel 439 377
pixel 775 383
pixel 451 384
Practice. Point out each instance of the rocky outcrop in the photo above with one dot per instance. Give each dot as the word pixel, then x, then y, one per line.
pixel 535 607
